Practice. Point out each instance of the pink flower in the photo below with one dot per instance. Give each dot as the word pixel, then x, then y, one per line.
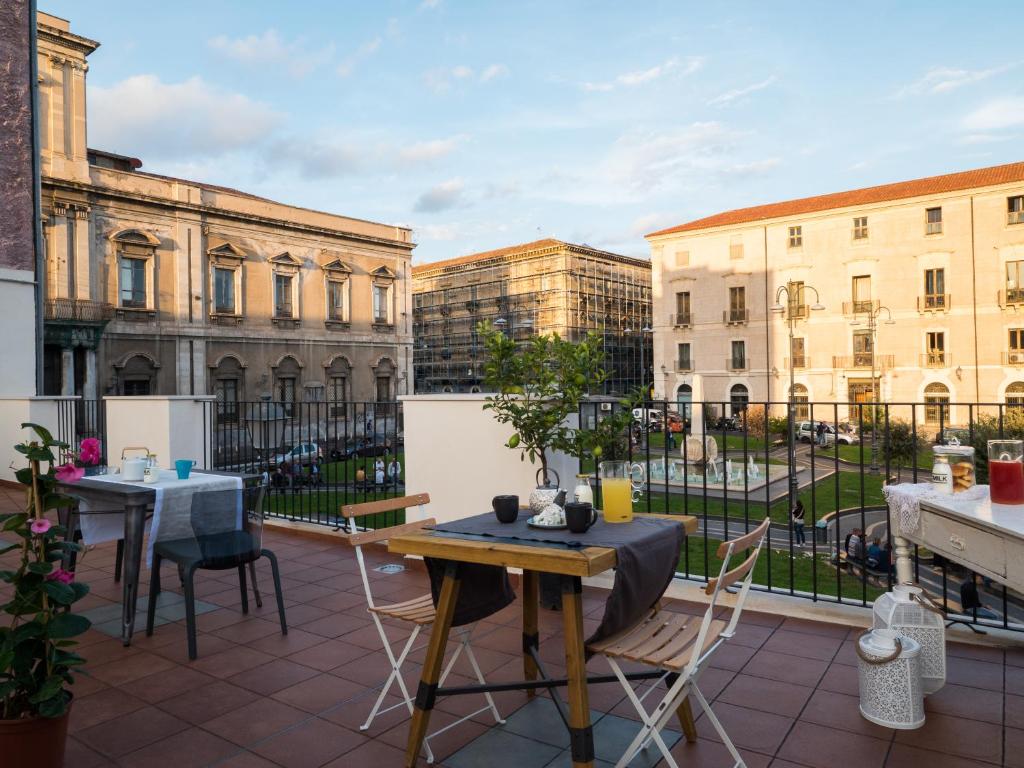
pixel 59 574
pixel 89 451
pixel 41 526
pixel 69 473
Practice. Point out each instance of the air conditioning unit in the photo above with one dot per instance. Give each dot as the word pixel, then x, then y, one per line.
pixel 1016 358
pixel 606 406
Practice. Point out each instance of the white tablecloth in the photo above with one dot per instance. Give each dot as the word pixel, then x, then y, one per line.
pixel 905 501
pixel 172 508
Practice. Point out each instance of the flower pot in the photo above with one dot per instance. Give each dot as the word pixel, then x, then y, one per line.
pixel 34 741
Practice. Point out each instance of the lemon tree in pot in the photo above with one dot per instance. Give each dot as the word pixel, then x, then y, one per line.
pixel 36 642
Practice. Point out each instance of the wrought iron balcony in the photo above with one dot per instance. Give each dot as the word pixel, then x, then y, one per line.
pixel 933 302
pixel 797 361
pixel 1011 297
pixel 681 320
pixel 861 360
pixel 735 316
pixel 78 310
pixel 936 358
pixel 736 363
pixel 862 307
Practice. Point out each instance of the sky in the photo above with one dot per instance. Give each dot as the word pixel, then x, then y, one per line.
pixel 485 124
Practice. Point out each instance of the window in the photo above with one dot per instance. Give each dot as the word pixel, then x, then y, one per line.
pixel 860 228
pixel 337 392
pixel 1015 209
pixel 1014 282
pixel 286 393
pixel 933 221
pixel 133 283
pixel 795 293
pixel 226 391
pixel 283 296
pixel 801 403
pixel 737 304
pixel 684 361
pixel 684 401
pixel 136 387
pixel 1015 394
pixel 936 404
pixel 935 349
pixel 383 389
pixel 861 293
pixel 934 288
pixel 862 349
pixel 683 308
pixel 381 304
pixel 223 291
pixel 336 309
pixel 1015 356
pixel 738 362
pixel 739 397
pixel 796 237
pixel 799 360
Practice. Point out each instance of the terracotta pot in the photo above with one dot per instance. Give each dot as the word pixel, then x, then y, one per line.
pixel 36 741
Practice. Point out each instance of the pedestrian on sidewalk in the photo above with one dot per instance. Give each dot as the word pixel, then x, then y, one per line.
pixel 798 523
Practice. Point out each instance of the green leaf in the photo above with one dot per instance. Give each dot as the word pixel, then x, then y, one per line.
pixel 62 593
pixel 40 568
pixel 55 707
pixel 80 589
pixel 51 687
pixel 24 475
pixel 15 521
pixel 44 434
pixel 27 631
pixel 67 625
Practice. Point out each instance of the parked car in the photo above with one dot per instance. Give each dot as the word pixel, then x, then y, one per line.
pixel 806 432
pixel 303 453
pixel 377 445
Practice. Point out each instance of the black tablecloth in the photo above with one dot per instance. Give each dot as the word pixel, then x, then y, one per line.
pixel 648 553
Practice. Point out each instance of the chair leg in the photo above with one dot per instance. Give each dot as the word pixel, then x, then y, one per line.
pixel 243 589
pixel 276 572
pixel 684 713
pixel 190 610
pixel 718 727
pixel 119 560
pixel 255 586
pixel 651 725
pixel 154 590
pixel 480 676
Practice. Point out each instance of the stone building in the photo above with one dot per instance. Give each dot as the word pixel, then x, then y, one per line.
pixel 942 258
pixel 158 285
pixel 547 286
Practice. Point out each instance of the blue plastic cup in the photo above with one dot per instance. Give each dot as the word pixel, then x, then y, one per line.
pixel 183 467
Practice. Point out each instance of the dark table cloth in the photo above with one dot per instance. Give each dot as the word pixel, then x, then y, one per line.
pixel 647 549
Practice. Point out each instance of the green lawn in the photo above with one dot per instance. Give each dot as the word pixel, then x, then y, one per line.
pixel 345 471
pixel 852 453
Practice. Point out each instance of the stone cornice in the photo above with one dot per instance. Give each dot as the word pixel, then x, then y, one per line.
pixel 64 39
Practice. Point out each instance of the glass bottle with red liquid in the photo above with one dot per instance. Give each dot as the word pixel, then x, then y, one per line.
pixel 1006 471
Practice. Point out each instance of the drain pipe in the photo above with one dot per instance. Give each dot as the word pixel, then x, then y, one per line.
pixel 37 206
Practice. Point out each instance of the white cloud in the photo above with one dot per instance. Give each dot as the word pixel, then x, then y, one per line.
pixel 441 197
pixel 268 48
pixel 644 162
pixel 361 53
pixel 730 96
pixel 440 79
pixel 315 159
pixel 996 115
pixel 639 77
pixel 753 167
pixel 446 232
pixel 425 151
pixel 493 71
pixel 144 116
pixel 945 79
pixel 429 5
pixel 972 139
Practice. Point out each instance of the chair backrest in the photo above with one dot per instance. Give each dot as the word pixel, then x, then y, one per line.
pixel 357 538
pixel 235 514
pixel 729 575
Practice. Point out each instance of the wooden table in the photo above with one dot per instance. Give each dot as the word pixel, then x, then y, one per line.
pixel 533 558
pixel 135 499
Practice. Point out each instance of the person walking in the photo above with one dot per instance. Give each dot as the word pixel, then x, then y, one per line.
pixel 798 523
pixel 821 433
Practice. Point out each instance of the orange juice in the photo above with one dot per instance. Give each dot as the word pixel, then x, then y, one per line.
pixel 617 495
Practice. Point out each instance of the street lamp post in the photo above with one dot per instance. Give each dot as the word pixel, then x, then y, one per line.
pixel 872 325
pixel 789 289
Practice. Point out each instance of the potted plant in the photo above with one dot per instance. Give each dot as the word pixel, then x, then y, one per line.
pixel 36 645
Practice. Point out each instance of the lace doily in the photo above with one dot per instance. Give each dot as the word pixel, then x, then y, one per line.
pixel 905 499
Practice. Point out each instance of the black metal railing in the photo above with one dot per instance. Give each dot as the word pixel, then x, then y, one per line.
pixel 736 470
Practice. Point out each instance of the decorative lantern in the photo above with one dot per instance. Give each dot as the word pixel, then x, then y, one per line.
pixel 908 611
pixel 889 672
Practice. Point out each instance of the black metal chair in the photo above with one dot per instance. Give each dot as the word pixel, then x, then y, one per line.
pixel 227 532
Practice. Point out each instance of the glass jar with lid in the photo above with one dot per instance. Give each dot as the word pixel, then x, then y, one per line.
pixel 953 467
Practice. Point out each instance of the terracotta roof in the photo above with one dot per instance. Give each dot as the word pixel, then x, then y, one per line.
pixel 933 185
pixel 536 245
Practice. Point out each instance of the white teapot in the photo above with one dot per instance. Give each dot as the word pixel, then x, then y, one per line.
pixel 134 470
pixel 545 493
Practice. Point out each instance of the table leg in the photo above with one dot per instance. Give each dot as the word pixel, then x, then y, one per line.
pixel 531 638
pixel 902 550
pixel 432 663
pixel 134 531
pixel 683 712
pixel 581 734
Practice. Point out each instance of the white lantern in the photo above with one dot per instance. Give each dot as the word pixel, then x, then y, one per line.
pixel 909 612
pixel 889 673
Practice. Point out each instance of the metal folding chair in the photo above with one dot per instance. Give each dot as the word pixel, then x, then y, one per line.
pixel 419 612
pixel 681 646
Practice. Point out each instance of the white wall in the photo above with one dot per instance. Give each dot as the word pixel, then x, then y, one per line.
pixel 17 297
pixel 15 411
pixel 455 451
pixel 171 427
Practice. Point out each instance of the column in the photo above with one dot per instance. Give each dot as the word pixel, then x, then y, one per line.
pixel 67 376
pixel 89 390
pixel 83 260
pixel 58 254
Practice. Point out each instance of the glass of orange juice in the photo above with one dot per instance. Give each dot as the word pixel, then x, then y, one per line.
pixel 616 491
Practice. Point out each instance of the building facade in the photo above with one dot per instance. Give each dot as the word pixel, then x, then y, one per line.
pixel 537 288
pixel 157 285
pixel 909 292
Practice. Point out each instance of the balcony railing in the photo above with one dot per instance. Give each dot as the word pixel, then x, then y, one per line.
pixel 860 360
pixel 735 316
pixel 933 302
pixel 79 310
pixel 736 363
pixel 936 358
pixel 1015 217
pixel 861 307
pixel 681 320
pixel 684 366
pixel 1011 297
pixel 1014 357
pixel 797 361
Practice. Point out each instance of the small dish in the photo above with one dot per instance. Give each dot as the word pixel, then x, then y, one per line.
pixel 530 522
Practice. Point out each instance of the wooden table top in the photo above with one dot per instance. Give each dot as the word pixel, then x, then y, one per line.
pixel 530 556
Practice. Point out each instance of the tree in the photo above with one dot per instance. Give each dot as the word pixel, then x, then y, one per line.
pixel 1010 426
pixel 901 445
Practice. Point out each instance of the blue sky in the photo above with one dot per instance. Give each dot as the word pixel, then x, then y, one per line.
pixel 484 124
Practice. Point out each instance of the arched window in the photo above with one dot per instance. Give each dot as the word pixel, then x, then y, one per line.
pixel 936 403
pixel 228 386
pixel 684 401
pixel 339 377
pixel 286 383
pixel 739 396
pixel 801 403
pixel 1015 394
pixel 138 376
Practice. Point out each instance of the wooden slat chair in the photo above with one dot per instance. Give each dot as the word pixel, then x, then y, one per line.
pixel 681 645
pixel 419 612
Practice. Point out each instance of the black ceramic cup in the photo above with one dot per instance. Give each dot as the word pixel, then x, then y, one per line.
pixel 506 508
pixel 579 516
